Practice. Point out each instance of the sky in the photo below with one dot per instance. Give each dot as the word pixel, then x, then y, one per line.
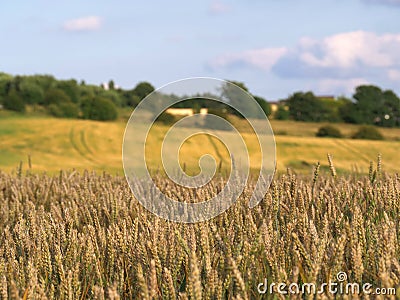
pixel 276 47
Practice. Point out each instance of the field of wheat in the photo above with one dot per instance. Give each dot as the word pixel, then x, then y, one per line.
pixel 84 236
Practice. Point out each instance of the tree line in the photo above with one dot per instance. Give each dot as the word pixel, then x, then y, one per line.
pixel 369 105
pixel 69 99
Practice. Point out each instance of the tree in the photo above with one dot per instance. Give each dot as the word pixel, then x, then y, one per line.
pixel 55 96
pixel 31 92
pixel 64 110
pixel 282 113
pixel 306 107
pixel 346 110
pixel 5 83
pixel 46 82
pixel 70 88
pixel 111 95
pixel 13 101
pixel 266 107
pixel 372 106
pixel 100 109
pixel 142 89
pixel 239 84
pixel 368 102
pixel 239 98
pixel 111 85
pixel 391 109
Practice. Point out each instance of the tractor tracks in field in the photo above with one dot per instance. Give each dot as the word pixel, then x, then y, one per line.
pixel 78 141
pixel 351 149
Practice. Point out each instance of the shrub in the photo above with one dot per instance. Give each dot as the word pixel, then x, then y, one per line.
pixel 329 131
pixel 368 133
pixel 281 113
pixel 99 109
pixel 55 96
pixel 14 102
pixel 64 110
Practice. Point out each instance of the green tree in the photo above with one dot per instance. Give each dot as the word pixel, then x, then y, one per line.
pixel 100 109
pixel 372 106
pixel 55 96
pixel 306 107
pixel 46 82
pixel 31 92
pixel 111 95
pixel 368 104
pixel 70 88
pixel 266 107
pixel 5 84
pixel 282 113
pixel 111 85
pixel 391 110
pixel 142 89
pixel 13 101
pixel 64 110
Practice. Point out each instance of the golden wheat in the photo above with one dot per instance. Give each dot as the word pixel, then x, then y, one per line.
pixel 84 236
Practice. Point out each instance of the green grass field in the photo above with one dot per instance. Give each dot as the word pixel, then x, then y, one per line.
pixel 54 144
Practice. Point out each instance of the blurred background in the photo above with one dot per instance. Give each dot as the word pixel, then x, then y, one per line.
pixel 68 66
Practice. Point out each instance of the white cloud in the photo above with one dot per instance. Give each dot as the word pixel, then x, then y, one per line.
pixel 344 55
pixel 333 65
pixel 218 7
pixel 89 23
pixel 347 49
pixel 260 58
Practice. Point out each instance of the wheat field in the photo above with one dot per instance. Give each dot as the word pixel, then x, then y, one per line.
pixel 84 236
pixel 50 145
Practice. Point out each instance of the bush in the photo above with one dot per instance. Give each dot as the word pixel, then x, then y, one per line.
pixel 64 110
pixel 368 133
pixel 281 113
pixel 55 96
pixel 99 109
pixel 329 131
pixel 14 102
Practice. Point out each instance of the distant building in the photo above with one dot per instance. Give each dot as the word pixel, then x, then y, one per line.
pixel 203 111
pixel 274 105
pixel 185 111
pixel 106 86
pixel 180 111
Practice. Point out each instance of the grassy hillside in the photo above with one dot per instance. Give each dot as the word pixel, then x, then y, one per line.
pixel 54 144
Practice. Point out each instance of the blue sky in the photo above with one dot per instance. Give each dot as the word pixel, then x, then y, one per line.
pixel 276 47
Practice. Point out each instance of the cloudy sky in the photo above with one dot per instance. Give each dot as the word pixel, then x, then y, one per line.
pixel 276 47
